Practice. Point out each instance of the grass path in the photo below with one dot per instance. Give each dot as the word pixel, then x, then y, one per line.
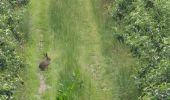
pixel 84 65
pixel 77 33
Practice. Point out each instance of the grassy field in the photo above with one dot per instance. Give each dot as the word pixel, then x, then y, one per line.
pixel 87 64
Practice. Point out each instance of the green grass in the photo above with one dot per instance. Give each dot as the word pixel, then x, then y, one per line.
pixel 38 42
pixel 119 62
pixel 87 64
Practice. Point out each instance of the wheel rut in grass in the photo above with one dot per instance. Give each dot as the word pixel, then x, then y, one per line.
pixel 39 42
pixel 42 83
pixel 91 58
pixel 42 86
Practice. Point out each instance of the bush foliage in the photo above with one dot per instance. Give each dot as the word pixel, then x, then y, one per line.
pixel 144 25
pixel 11 62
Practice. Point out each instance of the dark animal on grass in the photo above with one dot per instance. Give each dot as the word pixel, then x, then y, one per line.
pixel 44 64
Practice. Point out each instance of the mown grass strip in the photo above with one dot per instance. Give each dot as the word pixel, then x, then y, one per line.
pixel 85 63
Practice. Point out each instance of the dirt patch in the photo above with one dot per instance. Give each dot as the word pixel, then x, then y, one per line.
pixel 42 86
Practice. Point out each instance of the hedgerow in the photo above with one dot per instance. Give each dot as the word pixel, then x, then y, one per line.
pixel 11 62
pixel 144 25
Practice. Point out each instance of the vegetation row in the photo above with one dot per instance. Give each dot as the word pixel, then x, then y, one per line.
pixel 11 61
pixel 144 25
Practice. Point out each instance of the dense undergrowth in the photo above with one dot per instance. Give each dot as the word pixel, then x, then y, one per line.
pixel 144 25
pixel 11 61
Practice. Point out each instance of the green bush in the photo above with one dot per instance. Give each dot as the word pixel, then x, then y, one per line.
pixel 11 62
pixel 144 25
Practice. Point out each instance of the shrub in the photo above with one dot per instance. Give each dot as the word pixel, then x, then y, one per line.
pixel 11 62
pixel 144 26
